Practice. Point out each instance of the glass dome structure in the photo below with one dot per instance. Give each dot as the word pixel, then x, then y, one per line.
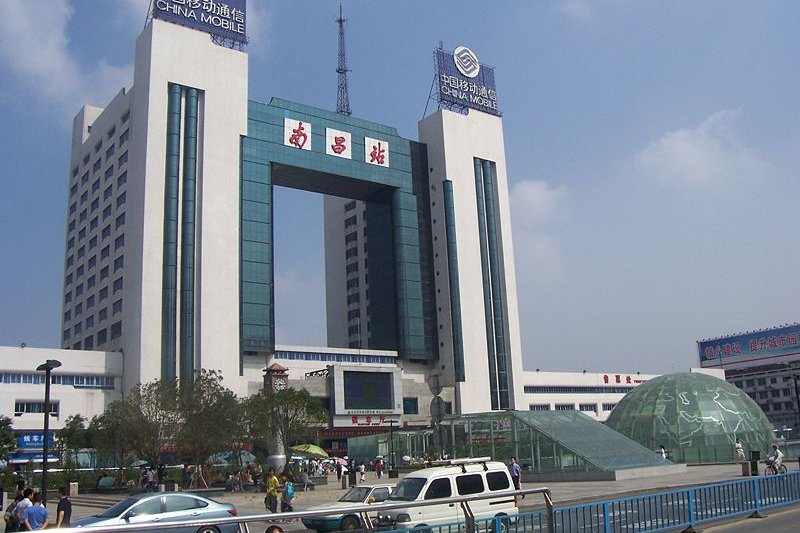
pixel 696 417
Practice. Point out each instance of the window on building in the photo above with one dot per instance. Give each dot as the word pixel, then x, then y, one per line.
pixel 762 394
pixel 79 290
pixel 773 380
pixel 67 297
pixel 539 407
pixel 70 261
pixel 116 330
pixel 116 307
pixel 67 315
pixel 750 383
pixel 89 322
pixel 119 262
pixel 85 178
pixel 103 294
pixel 68 279
pixel 79 272
pixel 410 406
pixel 124 136
pixel 94 223
pixel 565 407
pixel 119 242
pixel 353 298
pixel 762 381
pixel 588 407
pixel 120 221
pixel 117 286
pixel 353 314
pixel 107 212
pixel 105 253
pixel 353 267
pixel 96 165
pixel 83 215
pixel 77 329
pixel 349 206
pixel 609 406
pixel 352 283
pixel 122 179
pixel 351 237
pixel 73 190
pixel 123 159
pixel 65 335
pixel 90 301
pixel 121 200
pixel 88 343
pixel 96 185
pixel 125 117
pixel 108 193
pixel 103 273
pixel 101 337
pixel 23 407
pixel 91 282
pixel 103 314
pixel 110 151
pixel 82 234
pixel 350 221
pixel 93 242
pixel 776 393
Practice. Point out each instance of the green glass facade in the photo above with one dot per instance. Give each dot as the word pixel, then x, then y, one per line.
pixel 406 323
pixel 696 417
pixel 180 198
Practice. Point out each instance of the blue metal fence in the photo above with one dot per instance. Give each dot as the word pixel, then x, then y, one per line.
pixel 672 510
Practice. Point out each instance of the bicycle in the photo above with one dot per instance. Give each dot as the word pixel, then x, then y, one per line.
pixel 772 470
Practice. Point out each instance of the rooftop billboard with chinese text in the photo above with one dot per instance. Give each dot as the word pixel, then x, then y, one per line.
pixel 463 81
pixel 226 18
pixel 747 349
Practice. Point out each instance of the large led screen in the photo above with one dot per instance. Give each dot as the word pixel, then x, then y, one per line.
pixel 367 390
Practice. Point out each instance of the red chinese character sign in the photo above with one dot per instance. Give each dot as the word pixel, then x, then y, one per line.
pixel 338 143
pixel 297 134
pixel 376 152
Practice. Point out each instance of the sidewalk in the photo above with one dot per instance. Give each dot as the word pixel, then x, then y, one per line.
pixel 564 493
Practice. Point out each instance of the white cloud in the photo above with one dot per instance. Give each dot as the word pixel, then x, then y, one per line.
pixel 587 11
pixel 35 46
pixel 707 155
pixel 533 205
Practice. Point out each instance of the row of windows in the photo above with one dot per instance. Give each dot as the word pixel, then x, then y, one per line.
pixel 102 316
pixel 577 389
pixel 22 407
pixel 760 381
pixel 335 357
pixel 779 406
pixel 110 149
pixel 88 343
pixel 72 380
pixel 585 407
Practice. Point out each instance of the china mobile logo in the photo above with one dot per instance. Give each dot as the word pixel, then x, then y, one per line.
pixel 466 61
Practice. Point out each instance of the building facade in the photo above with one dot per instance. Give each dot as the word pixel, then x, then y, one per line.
pixel 169 243
pixel 766 365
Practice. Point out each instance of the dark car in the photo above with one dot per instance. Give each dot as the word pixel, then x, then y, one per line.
pixel 163 508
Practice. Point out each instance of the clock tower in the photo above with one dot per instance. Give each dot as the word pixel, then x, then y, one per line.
pixel 276 377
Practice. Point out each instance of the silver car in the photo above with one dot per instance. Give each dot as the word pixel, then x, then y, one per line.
pixel 163 508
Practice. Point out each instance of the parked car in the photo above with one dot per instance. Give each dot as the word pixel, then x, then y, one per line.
pixel 149 508
pixel 347 521
pixel 452 479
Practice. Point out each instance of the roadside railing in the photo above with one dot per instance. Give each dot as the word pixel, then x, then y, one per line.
pixel 682 508
pixel 654 512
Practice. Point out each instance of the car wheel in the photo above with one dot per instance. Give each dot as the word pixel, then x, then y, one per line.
pixel 423 528
pixel 350 523
pixel 501 521
pixel 208 529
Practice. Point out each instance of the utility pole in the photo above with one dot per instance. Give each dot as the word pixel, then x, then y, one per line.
pixel 342 97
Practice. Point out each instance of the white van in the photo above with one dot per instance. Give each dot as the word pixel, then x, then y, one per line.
pixel 451 479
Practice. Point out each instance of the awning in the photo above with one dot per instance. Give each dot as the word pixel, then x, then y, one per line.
pixel 31 457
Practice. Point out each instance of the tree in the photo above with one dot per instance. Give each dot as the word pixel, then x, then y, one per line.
pixel 8 442
pixel 208 411
pixel 72 438
pixel 113 431
pixel 289 414
pixel 155 416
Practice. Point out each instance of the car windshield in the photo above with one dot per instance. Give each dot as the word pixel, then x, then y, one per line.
pixel 118 508
pixel 355 495
pixel 408 489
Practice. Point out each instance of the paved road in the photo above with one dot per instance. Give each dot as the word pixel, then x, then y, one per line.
pixel 775 521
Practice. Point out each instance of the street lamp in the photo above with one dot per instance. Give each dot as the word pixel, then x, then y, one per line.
pixel 46 367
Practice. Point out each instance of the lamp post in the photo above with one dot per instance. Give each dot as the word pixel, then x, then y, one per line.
pixel 46 367
pixel 797 399
pixel 391 442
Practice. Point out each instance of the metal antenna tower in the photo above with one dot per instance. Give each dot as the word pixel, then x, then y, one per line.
pixel 342 97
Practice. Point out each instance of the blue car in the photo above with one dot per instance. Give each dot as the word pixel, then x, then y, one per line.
pixel 150 508
pixel 342 519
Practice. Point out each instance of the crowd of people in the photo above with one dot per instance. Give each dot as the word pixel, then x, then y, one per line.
pixel 28 513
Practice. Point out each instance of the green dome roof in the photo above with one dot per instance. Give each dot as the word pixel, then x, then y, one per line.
pixel 696 417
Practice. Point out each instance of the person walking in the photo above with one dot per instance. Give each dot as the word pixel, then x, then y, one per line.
pixel 273 485
pixel 361 472
pixel 516 472
pixel 24 503
pixel 64 509
pixel 740 451
pixel 287 494
pixel 35 516
pixel 379 468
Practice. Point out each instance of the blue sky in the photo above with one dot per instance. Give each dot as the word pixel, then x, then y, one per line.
pixel 652 149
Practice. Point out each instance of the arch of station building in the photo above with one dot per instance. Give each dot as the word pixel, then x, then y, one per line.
pixel 397 213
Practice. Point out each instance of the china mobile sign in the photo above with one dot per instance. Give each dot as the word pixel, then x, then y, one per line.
pixel 770 345
pixel 464 81
pixel 225 19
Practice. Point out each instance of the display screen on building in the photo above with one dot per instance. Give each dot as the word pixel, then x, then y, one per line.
pixel 463 80
pixel 225 18
pixel 368 390
pixel 770 345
